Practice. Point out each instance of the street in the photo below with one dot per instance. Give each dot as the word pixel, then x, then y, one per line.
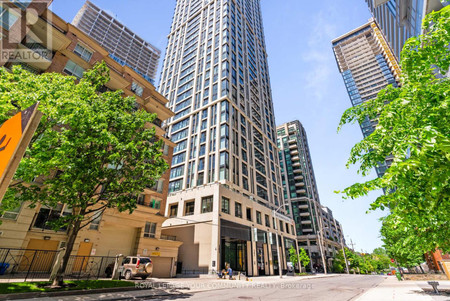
pixel 331 288
pixel 342 287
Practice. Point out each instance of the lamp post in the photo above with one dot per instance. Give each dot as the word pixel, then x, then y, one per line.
pixel 276 237
pixel 345 257
pixel 321 250
pixel 343 249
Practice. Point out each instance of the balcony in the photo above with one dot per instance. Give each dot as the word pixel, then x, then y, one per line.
pixel 294 152
pixel 296 164
pixel 295 158
pixel 299 184
pixel 168 237
pixel 34 54
pixel 301 191
pixel 297 170
pixel 294 145
pixel 298 178
pixel 51 37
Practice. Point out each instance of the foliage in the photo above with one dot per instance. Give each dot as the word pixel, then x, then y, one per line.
pixel 363 263
pixel 293 255
pixel 414 129
pixel 396 237
pixel 91 151
pixel 304 258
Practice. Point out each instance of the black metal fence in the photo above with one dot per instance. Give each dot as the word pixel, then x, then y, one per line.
pixel 28 265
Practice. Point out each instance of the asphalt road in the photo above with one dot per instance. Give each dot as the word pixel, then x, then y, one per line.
pixel 344 287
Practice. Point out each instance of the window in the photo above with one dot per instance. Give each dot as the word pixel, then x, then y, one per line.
pixel 160 186
pixel 287 228
pixel 83 52
pixel 281 226
pixel 11 214
pixel 238 210
pixel 150 229
pixel 207 204
pixel 47 215
pixel 173 210
pixel 73 69
pixel 141 199
pixel 7 17
pixel 225 205
pixel 22 3
pixel 189 208
pixel 175 185
pixel 137 89
pixel 258 217
pixel 155 204
pixel 96 218
pixel 267 220
pixel 249 214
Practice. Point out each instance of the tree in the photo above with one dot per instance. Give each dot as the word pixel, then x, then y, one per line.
pixel 91 151
pixel 339 262
pixel 414 128
pixel 304 258
pixel 383 260
pixel 401 243
pixel 293 255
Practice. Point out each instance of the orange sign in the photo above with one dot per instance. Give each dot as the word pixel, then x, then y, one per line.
pixel 15 135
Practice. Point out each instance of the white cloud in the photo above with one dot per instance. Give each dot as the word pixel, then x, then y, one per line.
pixel 319 55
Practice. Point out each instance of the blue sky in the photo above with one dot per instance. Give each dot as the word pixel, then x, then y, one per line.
pixel 306 85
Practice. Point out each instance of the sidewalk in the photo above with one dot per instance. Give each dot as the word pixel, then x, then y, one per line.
pixel 392 289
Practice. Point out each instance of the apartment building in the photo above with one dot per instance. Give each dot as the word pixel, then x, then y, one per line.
pixel 225 187
pixel 58 46
pixel 122 43
pixel 367 65
pixel 317 231
pixel 401 19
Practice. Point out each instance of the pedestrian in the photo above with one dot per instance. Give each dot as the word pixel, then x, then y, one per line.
pixel 230 272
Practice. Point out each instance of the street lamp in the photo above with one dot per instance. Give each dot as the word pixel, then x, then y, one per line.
pixel 345 257
pixel 343 249
pixel 321 250
pixel 276 237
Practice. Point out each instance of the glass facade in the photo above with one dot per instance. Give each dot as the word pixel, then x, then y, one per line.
pixel 367 65
pixel 400 20
pixel 215 76
pixel 297 174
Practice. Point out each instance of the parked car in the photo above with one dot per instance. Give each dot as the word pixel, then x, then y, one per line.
pixel 132 266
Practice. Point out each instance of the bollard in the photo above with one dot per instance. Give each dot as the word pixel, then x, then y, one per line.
pixel 57 264
pixel 115 274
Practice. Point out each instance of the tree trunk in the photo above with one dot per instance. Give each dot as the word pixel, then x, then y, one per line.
pixel 420 266
pixel 73 232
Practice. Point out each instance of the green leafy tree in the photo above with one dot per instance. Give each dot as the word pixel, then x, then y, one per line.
pixel 414 128
pixel 339 262
pixel 91 151
pixel 383 261
pixel 304 258
pixel 401 242
pixel 293 255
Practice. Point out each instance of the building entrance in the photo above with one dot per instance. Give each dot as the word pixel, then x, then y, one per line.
pixel 234 253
